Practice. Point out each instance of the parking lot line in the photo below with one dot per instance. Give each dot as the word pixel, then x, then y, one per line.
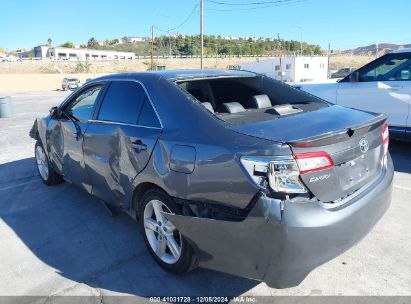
pixel 402 188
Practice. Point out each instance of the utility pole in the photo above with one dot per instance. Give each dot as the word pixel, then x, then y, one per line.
pixel 376 50
pixel 169 43
pixel 281 54
pixel 328 55
pixel 152 48
pixel 202 31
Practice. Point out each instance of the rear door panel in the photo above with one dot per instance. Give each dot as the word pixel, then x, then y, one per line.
pixel 118 142
pixel 114 154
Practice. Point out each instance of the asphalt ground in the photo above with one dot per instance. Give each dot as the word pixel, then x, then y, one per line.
pixel 61 241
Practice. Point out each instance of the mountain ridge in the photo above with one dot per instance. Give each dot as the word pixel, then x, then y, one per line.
pixel 372 49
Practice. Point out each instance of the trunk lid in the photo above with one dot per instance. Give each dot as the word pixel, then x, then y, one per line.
pixel 352 138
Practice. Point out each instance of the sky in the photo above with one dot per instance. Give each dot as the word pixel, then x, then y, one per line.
pixel 345 24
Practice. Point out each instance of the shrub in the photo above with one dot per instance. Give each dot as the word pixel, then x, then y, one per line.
pixel 82 67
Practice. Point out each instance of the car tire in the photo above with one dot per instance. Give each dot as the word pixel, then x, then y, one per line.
pixel 167 258
pixel 45 170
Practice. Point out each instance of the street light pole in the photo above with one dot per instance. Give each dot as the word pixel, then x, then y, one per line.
pixel 169 44
pixel 202 31
pixel 152 48
pixel 301 38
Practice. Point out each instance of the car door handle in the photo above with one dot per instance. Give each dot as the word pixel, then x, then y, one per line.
pixel 138 146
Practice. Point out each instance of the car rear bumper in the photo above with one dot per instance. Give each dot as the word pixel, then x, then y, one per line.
pixel 281 242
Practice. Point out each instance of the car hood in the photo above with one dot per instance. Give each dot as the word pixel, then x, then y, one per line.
pixel 309 125
pixel 328 81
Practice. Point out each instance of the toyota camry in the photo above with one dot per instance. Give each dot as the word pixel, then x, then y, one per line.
pixel 226 170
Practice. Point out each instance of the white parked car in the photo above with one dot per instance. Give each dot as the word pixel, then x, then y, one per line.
pixel 70 83
pixel 10 58
pixel 383 86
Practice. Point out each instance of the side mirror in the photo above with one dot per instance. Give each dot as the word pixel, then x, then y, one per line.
pixel 354 77
pixel 54 112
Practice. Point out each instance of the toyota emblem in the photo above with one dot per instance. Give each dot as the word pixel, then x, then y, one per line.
pixel 364 146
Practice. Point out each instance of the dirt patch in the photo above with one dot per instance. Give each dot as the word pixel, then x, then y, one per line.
pixel 47 75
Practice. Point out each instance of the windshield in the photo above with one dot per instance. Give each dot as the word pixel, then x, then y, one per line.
pixel 396 66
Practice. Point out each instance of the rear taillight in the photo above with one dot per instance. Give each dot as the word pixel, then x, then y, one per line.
pixel 385 138
pixel 282 173
pixel 284 176
pixel 313 161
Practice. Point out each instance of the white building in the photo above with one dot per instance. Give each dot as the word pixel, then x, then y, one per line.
pixel 61 53
pixel 292 69
pixel 133 39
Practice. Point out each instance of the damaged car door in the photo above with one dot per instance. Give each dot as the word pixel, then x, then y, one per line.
pixel 66 133
pixel 119 142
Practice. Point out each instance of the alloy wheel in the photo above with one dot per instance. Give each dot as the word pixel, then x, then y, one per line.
pixel 42 164
pixel 164 239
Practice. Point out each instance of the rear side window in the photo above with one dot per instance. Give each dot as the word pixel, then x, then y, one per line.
pixel 122 102
pixel 148 116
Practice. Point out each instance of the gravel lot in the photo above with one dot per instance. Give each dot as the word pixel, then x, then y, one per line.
pixel 61 241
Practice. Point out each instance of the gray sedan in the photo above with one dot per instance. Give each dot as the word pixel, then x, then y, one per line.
pixel 227 170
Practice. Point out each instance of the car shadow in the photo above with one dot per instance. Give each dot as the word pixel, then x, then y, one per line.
pixel 72 232
pixel 401 156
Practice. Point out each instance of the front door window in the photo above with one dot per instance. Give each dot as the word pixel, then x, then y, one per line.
pixel 82 106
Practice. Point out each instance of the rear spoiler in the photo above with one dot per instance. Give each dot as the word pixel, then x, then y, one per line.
pixel 342 135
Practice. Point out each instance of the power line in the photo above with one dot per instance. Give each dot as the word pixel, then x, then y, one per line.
pixel 256 7
pixel 182 23
pixel 248 4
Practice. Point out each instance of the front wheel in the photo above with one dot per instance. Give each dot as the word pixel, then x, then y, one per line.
pixel 165 243
pixel 46 172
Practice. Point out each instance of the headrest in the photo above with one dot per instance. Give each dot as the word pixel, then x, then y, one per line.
pixel 231 107
pixel 208 106
pixel 259 102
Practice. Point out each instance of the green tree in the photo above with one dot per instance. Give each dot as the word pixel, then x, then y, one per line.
pixel 92 43
pixel 68 44
pixel 49 41
pixel 190 45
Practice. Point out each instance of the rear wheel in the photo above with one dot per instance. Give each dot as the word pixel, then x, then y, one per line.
pixel 165 243
pixel 46 172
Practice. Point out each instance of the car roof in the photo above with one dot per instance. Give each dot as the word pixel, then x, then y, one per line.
pixel 181 74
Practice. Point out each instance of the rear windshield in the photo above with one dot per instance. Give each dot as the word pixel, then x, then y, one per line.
pixel 240 100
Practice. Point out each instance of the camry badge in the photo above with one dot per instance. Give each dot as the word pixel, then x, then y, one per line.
pixel 319 178
pixel 364 146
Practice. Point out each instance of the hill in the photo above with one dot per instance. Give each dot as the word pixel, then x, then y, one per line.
pixel 371 49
